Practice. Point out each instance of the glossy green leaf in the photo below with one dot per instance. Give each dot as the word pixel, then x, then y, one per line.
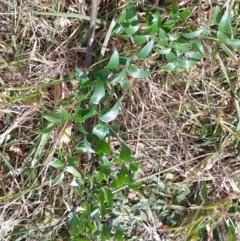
pixel 99 93
pixel 118 77
pixel 169 66
pixel 80 239
pixel 185 14
pixel 175 8
pixel 100 130
pixel 73 171
pixel 138 73
pixel 132 29
pixel 193 55
pixel 105 166
pixel 146 50
pixel 163 51
pixel 194 34
pixel 114 60
pixel 140 39
pixel 233 42
pixel 87 145
pixel 83 114
pixel 135 185
pixel 75 227
pixel 112 113
pixel 154 28
pixel 74 160
pixel 217 15
pixel 81 128
pixel 81 148
pixel 82 78
pixel 53 118
pixel 225 23
pixel 125 85
pixel 117 183
pixel 101 74
pixel 64 115
pixel 57 163
pixel 125 153
pixel 119 234
pixel 108 196
pixel 102 205
pixel 49 128
pixel 197 46
pixel 103 147
pixel 134 166
pixel 184 63
pixel 131 13
pixel 124 175
pixel 169 24
pixel 170 56
pixel 221 37
pixel 57 179
pixel 106 233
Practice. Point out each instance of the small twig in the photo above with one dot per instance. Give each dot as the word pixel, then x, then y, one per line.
pixel 91 33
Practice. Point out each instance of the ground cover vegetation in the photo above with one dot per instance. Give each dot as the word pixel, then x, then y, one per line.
pixel 142 146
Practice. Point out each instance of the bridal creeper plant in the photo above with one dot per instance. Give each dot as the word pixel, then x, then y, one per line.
pixel 109 172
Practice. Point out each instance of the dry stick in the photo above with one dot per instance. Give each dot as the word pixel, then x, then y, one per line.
pixel 69 214
pixel 91 33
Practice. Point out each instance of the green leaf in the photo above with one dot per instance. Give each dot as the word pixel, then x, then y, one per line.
pixel 102 205
pixel 145 51
pixel 82 78
pixel 81 128
pixel 132 29
pixel 193 55
pixel 117 183
pixel 114 60
pixel 221 37
pixel 53 118
pixel 106 233
pixel 87 145
pixel 175 8
pixel 194 34
pixel 135 185
pixel 125 85
pixel 169 24
pixel 124 175
pixel 49 128
pixel 74 160
pixel 105 166
pixel 64 115
pixel 170 56
pixel 140 39
pixel 58 179
pixel 185 14
pixel 73 171
pixel 75 227
pixel 233 42
pixel 118 77
pixel 134 166
pixel 83 114
pixel 125 153
pixel 163 51
pixel 184 63
pixel 225 23
pixel 100 130
pixel 111 114
pixel 57 163
pixel 138 73
pixel 169 66
pixel 197 46
pixel 103 147
pixel 99 93
pixel 108 196
pixel 217 15
pixel 131 13
pixel 119 234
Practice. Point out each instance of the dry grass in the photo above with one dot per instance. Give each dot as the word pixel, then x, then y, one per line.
pixel 184 123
